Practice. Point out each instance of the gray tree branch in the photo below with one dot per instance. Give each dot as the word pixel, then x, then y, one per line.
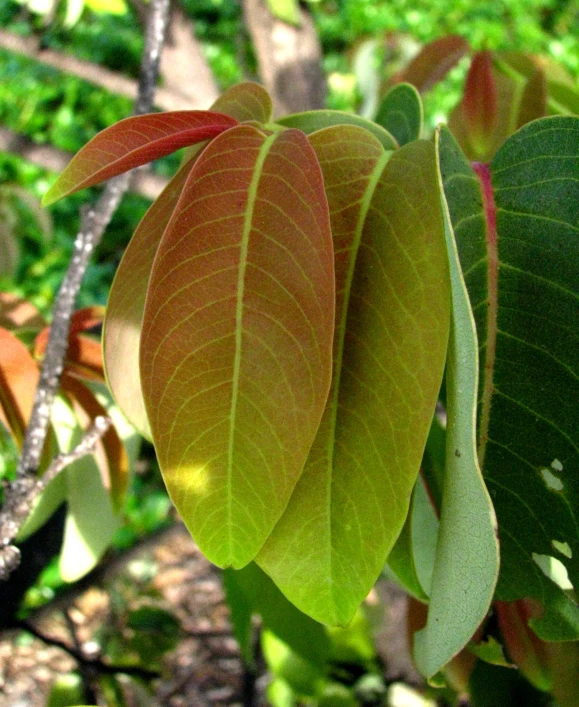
pixel 20 494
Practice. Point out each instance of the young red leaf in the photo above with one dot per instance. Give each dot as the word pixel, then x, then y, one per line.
pixel 480 103
pixel 84 355
pixel 18 379
pixel 133 142
pixel 434 61
pixel 237 337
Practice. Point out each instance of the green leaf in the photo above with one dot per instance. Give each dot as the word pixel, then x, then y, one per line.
pixel 401 113
pixel 245 102
pixel 237 337
pixel 44 507
pixel 66 690
pixel 467 553
pixel 412 557
pixel 304 678
pixel 255 591
pixel 523 282
pixel 392 315
pixel 401 561
pixel 285 10
pixel 133 142
pixel 240 603
pixel 312 121
pixel 90 521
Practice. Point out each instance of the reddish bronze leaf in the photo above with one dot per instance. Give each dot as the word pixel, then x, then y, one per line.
pixel 18 379
pixel 133 142
pixel 434 61
pixel 480 102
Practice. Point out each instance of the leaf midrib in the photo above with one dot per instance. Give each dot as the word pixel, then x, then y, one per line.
pixel 247 227
pixel 483 173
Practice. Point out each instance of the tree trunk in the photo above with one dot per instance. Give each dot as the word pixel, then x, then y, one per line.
pixel 289 58
pixel 184 69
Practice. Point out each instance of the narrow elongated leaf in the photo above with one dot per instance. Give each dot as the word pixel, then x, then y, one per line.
pixel 482 144
pixel 516 226
pixel 90 521
pixel 311 121
pixel 124 315
pixel 122 327
pixel 237 337
pixel 133 142
pixel 401 114
pixel 18 380
pixel 467 554
pixel 392 314
pixel 480 102
pixel 412 557
pixel 434 62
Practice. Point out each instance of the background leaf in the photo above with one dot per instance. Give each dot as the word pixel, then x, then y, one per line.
pixel 467 554
pixel 133 142
pixel 392 312
pixel 237 335
pixel 311 121
pixel 90 520
pixel 18 380
pixel 434 61
pixel 255 589
pixel 516 228
pixel 401 114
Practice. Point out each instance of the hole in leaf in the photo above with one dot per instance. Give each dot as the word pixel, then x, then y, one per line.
pixel 554 569
pixel 563 548
pixel 552 481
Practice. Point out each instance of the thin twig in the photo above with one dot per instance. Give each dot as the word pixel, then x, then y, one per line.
pixel 20 493
pixel 96 664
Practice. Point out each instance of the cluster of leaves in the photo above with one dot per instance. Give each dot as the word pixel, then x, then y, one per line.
pixel 503 91
pixel 93 487
pixel 280 323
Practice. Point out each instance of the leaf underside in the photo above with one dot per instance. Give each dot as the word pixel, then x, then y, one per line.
pixel 392 314
pixel 237 335
pixel 467 554
pixel 517 233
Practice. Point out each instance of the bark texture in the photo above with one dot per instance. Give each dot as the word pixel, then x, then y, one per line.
pixel 289 58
